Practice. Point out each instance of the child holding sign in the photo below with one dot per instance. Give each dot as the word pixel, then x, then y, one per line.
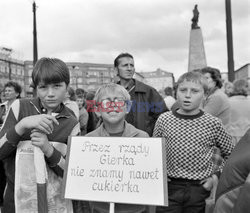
pixel 112 105
pixel 191 136
pixel 33 143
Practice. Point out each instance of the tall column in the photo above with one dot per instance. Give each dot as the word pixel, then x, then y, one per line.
pixel 197 56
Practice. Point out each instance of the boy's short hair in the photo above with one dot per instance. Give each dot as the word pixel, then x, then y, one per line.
pixel 80 91
pixel 122 55
pixel 50 70
pixel 110 88
pixel 16 86
pixel 168 91
pixel 90 96
pixel 194 77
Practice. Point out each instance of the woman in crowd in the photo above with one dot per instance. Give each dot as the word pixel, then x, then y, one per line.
pixel 240 110
pixel 216 102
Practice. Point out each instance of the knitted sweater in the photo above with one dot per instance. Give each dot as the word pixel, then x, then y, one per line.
pixel 190 142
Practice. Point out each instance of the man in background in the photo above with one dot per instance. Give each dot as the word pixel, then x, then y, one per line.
pixel 147 103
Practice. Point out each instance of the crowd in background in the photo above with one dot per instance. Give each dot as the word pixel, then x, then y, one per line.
pixel 227 101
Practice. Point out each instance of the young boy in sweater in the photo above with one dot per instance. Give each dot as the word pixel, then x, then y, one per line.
pixel 191 135
pixel 112 106
pixel 37 130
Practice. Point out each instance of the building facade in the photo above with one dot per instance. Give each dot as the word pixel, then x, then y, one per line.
pixel 243 72
pixel 87 76
pixel 90 76
pixel 11 69
pixel 159 79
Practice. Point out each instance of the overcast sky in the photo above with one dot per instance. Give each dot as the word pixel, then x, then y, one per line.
pixel 155 32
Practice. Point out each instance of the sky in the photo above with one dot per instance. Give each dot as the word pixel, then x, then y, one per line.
pixel 155 32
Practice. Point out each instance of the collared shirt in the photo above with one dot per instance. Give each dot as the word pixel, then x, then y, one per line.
pixel 131 85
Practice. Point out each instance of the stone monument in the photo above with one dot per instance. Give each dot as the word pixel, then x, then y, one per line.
pixel 197 57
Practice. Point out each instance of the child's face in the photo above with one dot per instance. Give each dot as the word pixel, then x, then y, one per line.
pixel 80 102
pixel 51 95
pixel 190 95
pixel 112 107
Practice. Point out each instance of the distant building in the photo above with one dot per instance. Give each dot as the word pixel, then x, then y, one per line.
pixel 243 72
pixel 88 76
pixel 138 76
pixel 11 69
pixel 224 76
pixel 158 79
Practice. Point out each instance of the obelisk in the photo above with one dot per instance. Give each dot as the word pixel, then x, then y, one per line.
pixel 197 57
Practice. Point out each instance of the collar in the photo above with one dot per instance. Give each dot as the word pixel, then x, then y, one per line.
pixel 187 117
pixel 131 85
pixel 61 109
pixel 210 92
pixel 129 130
pixel 4 104
pixel 139 86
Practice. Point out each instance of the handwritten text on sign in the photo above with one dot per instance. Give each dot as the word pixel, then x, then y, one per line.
pixel 112 169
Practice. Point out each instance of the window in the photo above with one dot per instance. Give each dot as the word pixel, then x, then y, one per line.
pixel 30 72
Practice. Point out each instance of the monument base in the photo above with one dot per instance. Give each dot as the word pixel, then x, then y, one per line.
pixel 197 57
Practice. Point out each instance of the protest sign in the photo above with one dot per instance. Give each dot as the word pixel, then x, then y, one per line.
pixel 115 169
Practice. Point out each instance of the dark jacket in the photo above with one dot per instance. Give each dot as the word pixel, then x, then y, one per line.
pixel 233 191
pixel 146 107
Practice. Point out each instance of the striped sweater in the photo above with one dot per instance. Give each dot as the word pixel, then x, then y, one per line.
pixel 9 140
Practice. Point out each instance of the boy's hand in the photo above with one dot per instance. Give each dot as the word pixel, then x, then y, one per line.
pixel 43 122
pixel 40 140
pixel 208 183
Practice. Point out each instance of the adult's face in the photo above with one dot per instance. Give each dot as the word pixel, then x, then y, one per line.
pixel 10 94
pixel 210 81
pixel 126 68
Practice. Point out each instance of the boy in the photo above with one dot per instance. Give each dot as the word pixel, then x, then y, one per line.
pixel 191 136
pixel 83 114
pixel 30 128
pixel 112 106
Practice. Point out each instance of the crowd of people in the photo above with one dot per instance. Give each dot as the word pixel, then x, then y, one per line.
pixel 205 123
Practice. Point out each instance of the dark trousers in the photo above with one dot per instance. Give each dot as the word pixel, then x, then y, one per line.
pixel 185 196
pixel 2 182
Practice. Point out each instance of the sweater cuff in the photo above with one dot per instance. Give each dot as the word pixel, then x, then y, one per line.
pixel 54 159
pixel 12 137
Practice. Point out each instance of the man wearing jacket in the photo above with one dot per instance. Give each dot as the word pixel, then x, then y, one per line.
pixel 147 104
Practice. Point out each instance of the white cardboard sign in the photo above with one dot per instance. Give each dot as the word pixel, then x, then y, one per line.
pixel 116 169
